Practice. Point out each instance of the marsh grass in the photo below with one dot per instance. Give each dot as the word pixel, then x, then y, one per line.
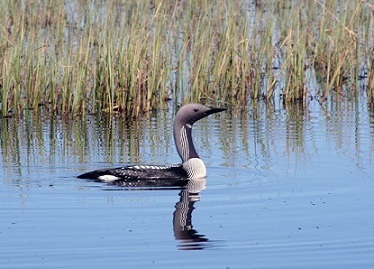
pixel 133 56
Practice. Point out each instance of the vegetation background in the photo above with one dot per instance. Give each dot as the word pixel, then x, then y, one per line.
pixel 91 56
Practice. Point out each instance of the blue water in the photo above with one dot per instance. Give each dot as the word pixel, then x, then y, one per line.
pixel 285 189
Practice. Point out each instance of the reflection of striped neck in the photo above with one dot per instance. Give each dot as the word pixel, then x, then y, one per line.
pixel 182 217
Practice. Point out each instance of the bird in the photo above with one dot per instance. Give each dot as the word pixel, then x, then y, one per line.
pixel 191 167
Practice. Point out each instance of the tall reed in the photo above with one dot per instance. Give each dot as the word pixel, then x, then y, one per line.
pixel 132 56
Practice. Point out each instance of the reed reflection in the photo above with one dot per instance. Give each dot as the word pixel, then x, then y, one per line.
pixel 189 238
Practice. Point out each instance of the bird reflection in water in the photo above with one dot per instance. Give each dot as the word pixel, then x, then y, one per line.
pixel 189 238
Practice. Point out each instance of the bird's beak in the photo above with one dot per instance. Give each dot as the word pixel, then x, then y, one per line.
pixel 215 110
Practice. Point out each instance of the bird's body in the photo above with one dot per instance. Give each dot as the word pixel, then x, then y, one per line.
pixel 141 175
pixel 165 175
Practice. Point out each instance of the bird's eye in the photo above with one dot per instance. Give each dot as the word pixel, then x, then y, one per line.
pixel 195 110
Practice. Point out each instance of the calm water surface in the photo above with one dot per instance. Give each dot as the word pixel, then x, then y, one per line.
pixel 285 189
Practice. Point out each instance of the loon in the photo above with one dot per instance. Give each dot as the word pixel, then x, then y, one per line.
pixel 165 175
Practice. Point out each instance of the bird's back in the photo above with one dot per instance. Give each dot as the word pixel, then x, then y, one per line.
pixel 141 175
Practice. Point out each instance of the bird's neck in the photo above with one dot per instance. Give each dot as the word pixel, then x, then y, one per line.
pixel 184 142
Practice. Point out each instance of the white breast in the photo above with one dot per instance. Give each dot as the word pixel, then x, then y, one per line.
pixel 195 168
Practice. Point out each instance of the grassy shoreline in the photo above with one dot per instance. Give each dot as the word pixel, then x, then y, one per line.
pixel 132 56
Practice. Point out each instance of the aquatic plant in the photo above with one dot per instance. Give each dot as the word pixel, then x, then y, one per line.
pixel 133 56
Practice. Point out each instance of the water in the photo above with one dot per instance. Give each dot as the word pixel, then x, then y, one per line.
pixel 285 189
